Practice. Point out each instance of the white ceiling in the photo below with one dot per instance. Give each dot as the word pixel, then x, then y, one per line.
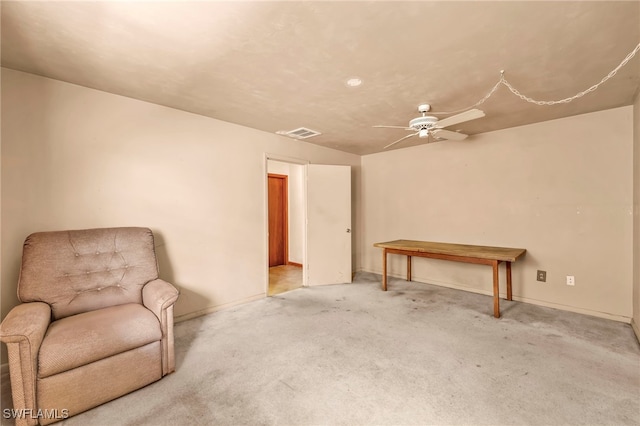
pixel 283 65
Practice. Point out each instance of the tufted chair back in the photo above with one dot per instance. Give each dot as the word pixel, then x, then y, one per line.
pixel 85 270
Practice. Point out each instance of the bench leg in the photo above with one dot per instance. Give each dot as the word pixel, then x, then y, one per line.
pixel 496 290
pixel 408 268
pixel 509 294
pixel 384 269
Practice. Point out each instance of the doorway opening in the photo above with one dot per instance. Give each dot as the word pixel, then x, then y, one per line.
pixel 286 203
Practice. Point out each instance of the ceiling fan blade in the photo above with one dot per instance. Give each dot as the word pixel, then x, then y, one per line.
pixel 448 134
pixel 394 127
pixel 472 114
pixel 400 140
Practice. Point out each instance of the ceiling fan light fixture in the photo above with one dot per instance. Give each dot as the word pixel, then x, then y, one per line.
pixel 427 125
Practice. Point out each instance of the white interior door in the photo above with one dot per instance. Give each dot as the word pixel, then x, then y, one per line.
pixel 328 224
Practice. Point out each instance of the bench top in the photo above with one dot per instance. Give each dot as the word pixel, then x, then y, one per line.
pixel 505 254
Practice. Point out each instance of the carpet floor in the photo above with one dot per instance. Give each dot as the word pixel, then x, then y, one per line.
pixel 415 355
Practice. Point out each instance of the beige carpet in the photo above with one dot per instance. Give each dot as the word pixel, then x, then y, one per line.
pixel 415 355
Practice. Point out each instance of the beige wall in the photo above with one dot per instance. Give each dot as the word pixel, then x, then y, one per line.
pixel 636 216
pixel 561 189
pixel 75 158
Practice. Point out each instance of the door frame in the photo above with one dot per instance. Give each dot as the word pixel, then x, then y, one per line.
pixel 291 160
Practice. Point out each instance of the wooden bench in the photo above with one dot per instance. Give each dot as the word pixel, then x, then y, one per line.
pixel 483 255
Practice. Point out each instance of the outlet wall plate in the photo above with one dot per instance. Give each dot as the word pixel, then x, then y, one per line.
pixel 571 280
pixel 541 276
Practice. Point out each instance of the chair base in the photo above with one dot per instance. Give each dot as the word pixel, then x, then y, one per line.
pixel 100 382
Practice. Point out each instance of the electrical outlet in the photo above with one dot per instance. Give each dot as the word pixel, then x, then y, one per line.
pixel 571 280
pixel 542 276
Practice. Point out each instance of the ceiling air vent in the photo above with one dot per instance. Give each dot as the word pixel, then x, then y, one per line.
pixel 300 133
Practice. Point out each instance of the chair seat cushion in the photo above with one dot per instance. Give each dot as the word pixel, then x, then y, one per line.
pixel 81 339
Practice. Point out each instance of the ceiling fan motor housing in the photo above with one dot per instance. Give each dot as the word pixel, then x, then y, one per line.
pixel 423 123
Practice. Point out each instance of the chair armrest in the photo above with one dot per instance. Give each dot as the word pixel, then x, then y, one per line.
pixel 26 322
pixel 158 295
pixel 23 330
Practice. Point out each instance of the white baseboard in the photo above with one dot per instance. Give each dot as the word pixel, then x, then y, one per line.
pixel 605 315
pixel 569 308
pixel 212 309
pixel 636 329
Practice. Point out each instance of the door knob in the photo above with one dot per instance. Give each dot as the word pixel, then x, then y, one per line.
pixel 348 230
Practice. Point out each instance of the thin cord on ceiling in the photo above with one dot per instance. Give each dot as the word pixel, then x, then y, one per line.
pixel 516 92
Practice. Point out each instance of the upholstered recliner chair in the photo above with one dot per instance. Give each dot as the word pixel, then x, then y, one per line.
pixel 95 322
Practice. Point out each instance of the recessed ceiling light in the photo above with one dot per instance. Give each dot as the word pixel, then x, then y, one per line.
pixel 354 82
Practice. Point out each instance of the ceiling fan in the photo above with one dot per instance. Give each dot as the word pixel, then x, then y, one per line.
pixel 428 125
